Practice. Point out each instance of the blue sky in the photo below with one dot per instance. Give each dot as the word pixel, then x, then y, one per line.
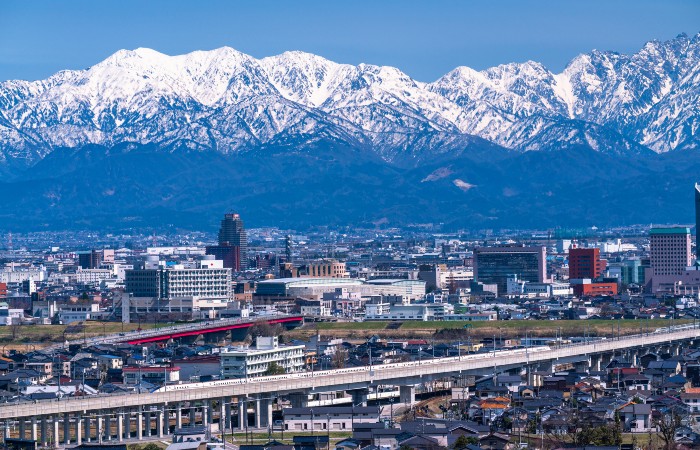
pixel 424 39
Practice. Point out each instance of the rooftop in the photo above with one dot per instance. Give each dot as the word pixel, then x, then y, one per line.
pixel 669 230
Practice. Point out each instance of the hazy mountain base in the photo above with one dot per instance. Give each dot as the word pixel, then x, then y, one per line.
pixel 332 183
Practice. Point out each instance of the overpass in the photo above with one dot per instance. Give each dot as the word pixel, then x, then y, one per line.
pixel 119 417
pixel 189 330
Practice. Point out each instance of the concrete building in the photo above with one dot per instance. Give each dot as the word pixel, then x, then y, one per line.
pixel 246 362
pixel 316 288
pixel 493 265
pixel 233 233
pixel 518 287
pixel 157 287
pixel 156 375
pixel 327 268
pixel 77 312
pixel 92 276
pixel 586 263
pixel 94 258
pixel 328 418
pixel 670 250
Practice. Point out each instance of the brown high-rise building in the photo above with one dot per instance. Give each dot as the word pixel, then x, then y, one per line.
pixel 233 243
pixel 586 263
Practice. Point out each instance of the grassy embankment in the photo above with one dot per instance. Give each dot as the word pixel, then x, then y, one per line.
pixel 504 328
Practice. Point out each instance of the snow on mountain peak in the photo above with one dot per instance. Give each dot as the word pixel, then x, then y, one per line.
pixel 228 100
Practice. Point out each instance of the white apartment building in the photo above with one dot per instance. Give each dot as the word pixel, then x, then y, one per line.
pixel 157 287
pixel 92 276
pixel 77 312
pixel 246 362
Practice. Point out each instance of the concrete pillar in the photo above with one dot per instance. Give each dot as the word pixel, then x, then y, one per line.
pixel 178 416
pixel 99 436
pixel 6 433
pixel 120 427
pixel 359 397
pixel 242 413
pixel 148 424
pixel 139 425
pixel 268 412
pixel 56 436
pixel 66 428
pixel 222 414
pixel 79 430
pixel 22 429
pixel 299 400
pixel 159 423
pixel 108 427
pixel 407 394
pixel 88 429
pixel 35 431
pixel 44 432
pixel 206 406
pixel 227 414
pixel 258 412
pixel 193 415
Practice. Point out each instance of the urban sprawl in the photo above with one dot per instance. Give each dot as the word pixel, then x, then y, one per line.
pixel 380 339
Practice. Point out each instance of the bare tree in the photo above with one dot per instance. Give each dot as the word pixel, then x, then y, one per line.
pixel 667 425
pixel 340 358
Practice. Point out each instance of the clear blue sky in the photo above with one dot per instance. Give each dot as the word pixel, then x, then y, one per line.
pixel 425 39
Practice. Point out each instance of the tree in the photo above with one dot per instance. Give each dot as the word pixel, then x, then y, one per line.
pixel 274 369
pixel 340 358
pixel 667 425
pixel 264 329
pixel 463 441
pixel 151 446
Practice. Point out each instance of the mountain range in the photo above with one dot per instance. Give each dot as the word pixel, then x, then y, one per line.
pixel 146 139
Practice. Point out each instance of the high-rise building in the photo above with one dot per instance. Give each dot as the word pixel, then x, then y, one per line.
pixel 670 250
pixel 697 220
pixel 232 233
pixel 94 258
pixel 586 263
pixel 493 265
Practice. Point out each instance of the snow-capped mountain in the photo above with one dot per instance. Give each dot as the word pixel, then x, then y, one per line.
pixel 231 102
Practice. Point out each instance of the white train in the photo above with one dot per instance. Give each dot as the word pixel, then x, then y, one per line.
pixel 363 369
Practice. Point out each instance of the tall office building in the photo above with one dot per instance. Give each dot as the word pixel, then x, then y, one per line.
pixel 233 243
pixel 94 258
pixel 670 250
pixel 697 220
pixel 586 263
pixel 493 265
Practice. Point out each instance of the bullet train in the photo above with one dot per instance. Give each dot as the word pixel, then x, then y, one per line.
pixel 353 370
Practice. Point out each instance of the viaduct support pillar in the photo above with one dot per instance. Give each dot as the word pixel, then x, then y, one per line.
pixel 56 436
pixel 159 423
pixel 139 425
pixel 227 413
pixel 44 432
pixel 100 429
pixel 88 425
pixel 120 427
pixel 178 416
pixel 79 430
pixel 407 394
pixel 35 432
pixel 66 428
pixel 242 413
pixel 359 397
pixel 258 412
